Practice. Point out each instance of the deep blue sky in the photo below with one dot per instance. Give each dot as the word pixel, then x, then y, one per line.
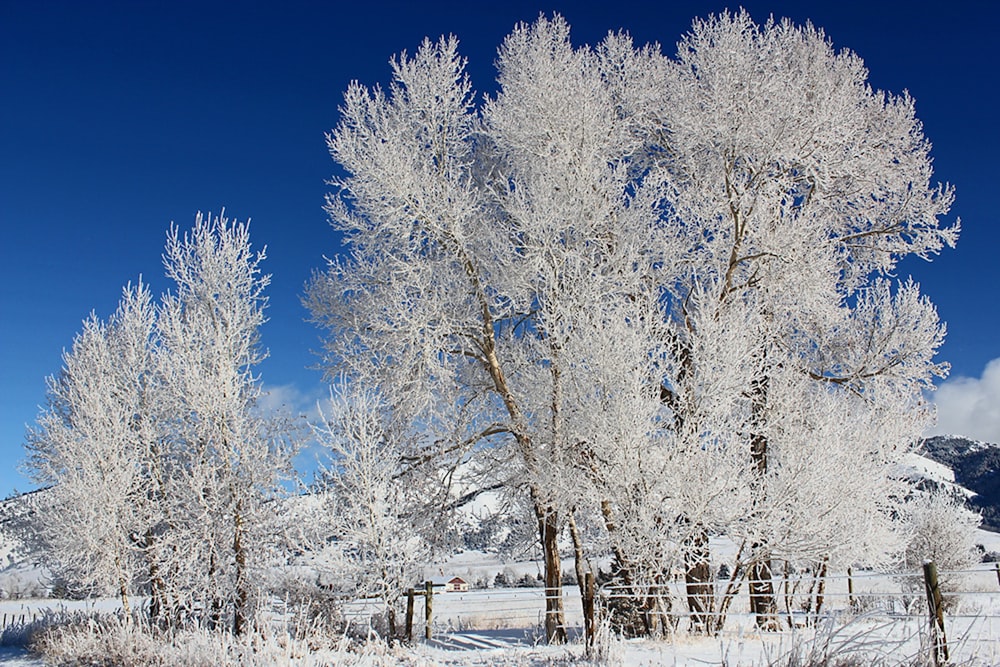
pixel 117 118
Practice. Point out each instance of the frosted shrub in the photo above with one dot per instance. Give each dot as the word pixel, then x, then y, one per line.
pixel 942 530
pixel 111 643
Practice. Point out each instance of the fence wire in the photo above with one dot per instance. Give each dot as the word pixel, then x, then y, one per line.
pixel 972 596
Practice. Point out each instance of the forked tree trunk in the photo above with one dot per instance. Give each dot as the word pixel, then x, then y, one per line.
pixel 821 587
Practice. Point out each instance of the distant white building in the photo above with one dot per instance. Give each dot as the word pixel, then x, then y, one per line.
pixel 451 584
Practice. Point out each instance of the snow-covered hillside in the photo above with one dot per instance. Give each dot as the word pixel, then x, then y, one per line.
pixel 975 466
pixel 20 574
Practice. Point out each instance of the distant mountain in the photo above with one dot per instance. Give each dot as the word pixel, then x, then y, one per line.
pixel 21 575
pixel 977 468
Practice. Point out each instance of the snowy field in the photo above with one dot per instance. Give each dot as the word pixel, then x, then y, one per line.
pixel 502 626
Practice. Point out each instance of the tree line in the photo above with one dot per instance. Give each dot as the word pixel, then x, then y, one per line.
pixel 649 300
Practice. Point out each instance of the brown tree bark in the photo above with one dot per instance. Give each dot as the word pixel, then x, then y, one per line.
pixel 546 515
pixel 762 601
pixel 555 617
pixel 698 583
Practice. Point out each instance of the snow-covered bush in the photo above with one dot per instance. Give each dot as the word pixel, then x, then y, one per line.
pixel 111 643
pixel 940 528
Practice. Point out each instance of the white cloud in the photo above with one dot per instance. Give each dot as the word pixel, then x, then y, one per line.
pixel 300 408
pixel 290 400
pixel 970 406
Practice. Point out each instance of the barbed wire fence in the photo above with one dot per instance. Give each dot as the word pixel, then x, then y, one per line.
pixel 936 614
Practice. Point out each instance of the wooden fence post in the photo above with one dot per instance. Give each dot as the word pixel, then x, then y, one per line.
pixel 428 608
pixel 588 611
pixel 409 614
pixel 939 640
pixel 850 588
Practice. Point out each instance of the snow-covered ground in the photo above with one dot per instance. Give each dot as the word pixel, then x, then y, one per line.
pixel 16 656
pixel 501 626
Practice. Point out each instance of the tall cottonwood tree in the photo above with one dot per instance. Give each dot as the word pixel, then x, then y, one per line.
pixel 473 241
pixel 798 189
pixel 416 309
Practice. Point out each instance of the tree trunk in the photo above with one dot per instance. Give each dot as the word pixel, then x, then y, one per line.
pixel 698 581
pixel 762 601
pixel 580 565
pixel 242 599
pixel 215 607
pixel 546 515
pixel 157 587
pixel 391 620
pixel 821 588
pixel 548 530
pixel 123 590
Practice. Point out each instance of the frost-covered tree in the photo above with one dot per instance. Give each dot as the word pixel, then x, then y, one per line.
pixel 369 518
pixel 937 526
pixel 474 237
pixel 222 459
pixel 91 447
pixel 416 306
pixel 153 444
pixel 798 189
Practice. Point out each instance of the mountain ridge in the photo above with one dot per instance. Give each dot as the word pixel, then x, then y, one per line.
pixel 976 465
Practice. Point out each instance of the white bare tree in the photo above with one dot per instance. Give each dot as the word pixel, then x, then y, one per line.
pixel 369 517
pixel 91 447
pixel 797 187
pixel 224 461
pixel 417 307
pixel 474 242
pixel 159 464
pixel 938 526
pixel 725 220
